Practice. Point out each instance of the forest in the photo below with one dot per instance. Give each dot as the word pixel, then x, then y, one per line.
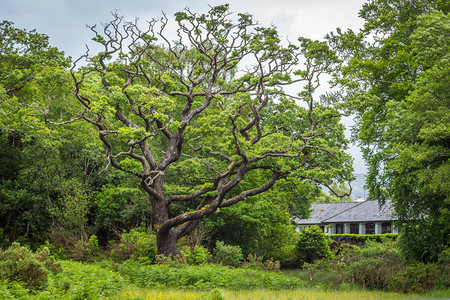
pixel 171 163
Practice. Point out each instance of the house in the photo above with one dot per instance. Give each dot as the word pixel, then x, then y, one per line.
pixel 366 217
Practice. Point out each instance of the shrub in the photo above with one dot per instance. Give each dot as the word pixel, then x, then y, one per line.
pixel 85 281
pixel 444 266
pixel 257 263
pixel 137 245
pixel 417 278
pixel 371 273
pixel 19 263
pixel 199 255
pixel 176 261
pixel 312 245
pixel 374 265
pixel 87 251
pixel 204 277
pixel 227 255
pixel 58 253
pixel 422 240
pixel 71 227
pixel 13 290
pixel 287 255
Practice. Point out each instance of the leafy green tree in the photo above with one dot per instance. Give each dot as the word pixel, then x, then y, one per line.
pixel 312 245
pixel 396 79
pixel 419 169
pixel 190 119
pixel 26 61
pixel 31 75
pixel 40 162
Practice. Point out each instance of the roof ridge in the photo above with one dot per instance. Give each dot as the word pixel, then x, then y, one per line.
pixel 356 204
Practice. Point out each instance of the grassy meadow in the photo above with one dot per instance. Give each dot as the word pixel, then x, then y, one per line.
pixel 100 281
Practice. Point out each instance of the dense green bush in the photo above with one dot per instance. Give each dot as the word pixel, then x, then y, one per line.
pixel 19 263
pixel 138 244
pixel 417 278
pixel 419 241
pixel 227 255
pixel 76 281
pixel 361 239
pixel 312 245
pixel 263 220
pixel 89 251
pixel 85 281
pixel 381 266
pixel 197 256
pixel 374 265
pixel 287 255
pixel 204 277
pixel 444 267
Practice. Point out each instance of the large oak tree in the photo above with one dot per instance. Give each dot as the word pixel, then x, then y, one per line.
pixel 197 119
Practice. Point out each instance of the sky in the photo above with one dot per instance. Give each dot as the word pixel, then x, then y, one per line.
pixel 64 21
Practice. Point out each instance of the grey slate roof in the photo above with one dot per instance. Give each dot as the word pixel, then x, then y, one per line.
pixel 349 212
pixel 323 211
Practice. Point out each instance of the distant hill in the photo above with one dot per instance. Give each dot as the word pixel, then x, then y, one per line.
pixel 358 189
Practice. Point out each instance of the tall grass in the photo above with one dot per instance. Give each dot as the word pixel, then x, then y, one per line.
pixel 264 294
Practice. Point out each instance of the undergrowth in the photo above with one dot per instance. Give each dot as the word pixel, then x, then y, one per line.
pixel 204 277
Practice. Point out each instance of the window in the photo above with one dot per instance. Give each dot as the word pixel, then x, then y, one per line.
pixel 386 227
pixel 354 228
pixel 339 228
pixel 370 228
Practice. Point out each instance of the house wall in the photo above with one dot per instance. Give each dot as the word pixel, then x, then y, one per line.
pixel 355 228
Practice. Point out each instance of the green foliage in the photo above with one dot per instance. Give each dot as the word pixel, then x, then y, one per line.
pixel 71 226
pixel 396 80
pixel 59 253
pixel 121 206
pixel 4 242
pixel 85 281
pixel 204 277
pixel 418 278
pixel 312 245
pixel 197 256
pixel 227 255
pixel 418 241
pixel 175 261
pixel 19 263
pixel 258 263
pixel 380 266
pixel 361 239
pixel 87 251
pixel 137 245
pixel 264 220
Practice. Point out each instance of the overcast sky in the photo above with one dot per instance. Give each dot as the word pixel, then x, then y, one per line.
pixel 64 21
